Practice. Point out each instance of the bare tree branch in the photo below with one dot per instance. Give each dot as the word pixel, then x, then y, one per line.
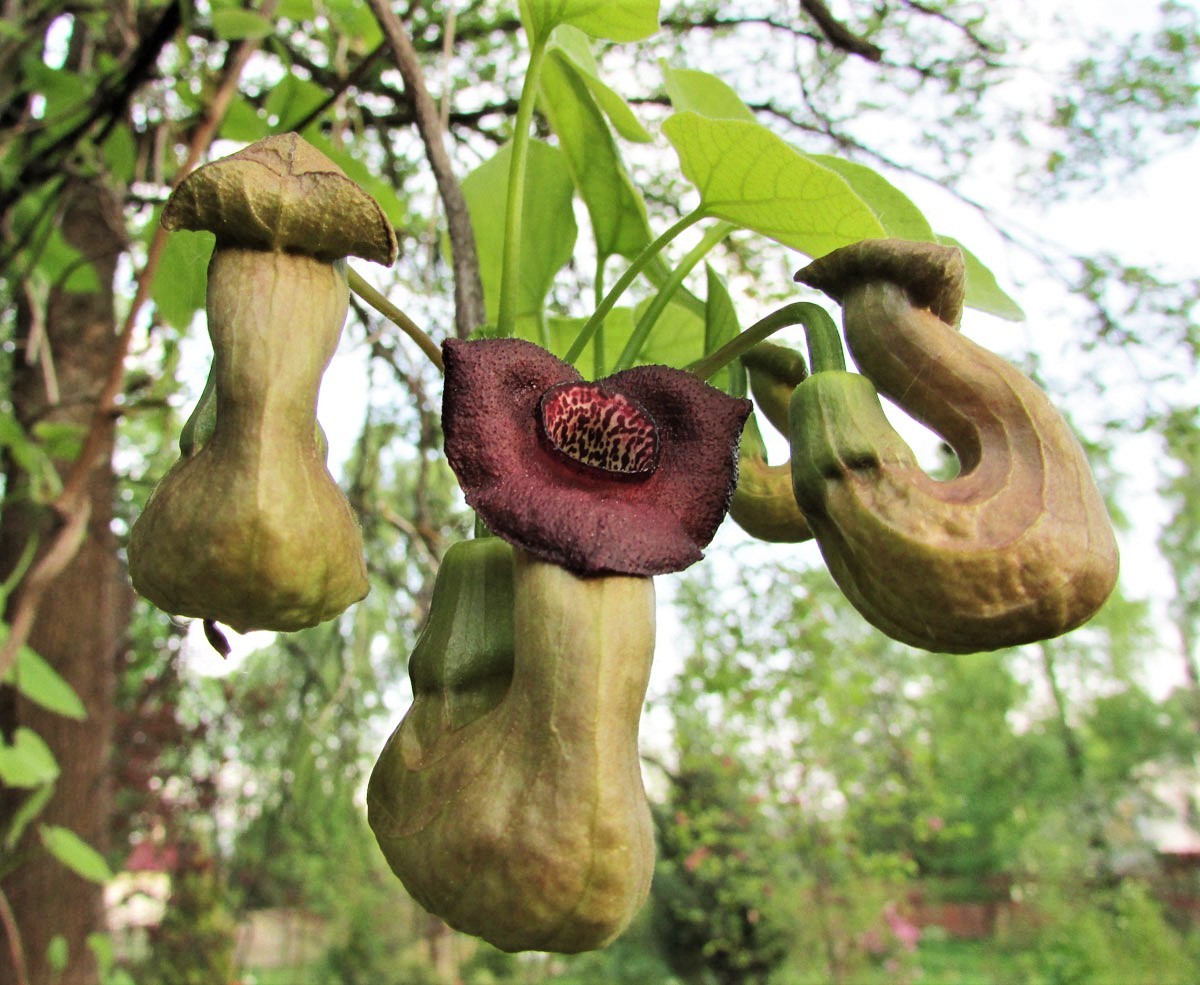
pixel 468 289
pixel 838 34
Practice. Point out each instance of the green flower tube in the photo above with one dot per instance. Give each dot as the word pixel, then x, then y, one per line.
pixel 509 800
pixel 763 503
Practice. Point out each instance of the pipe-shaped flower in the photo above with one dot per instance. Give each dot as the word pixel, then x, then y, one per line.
pixel 1018 547
pixel 631 474
pixel 248 528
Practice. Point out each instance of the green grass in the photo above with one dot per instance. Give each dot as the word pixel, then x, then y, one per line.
pixel 948 961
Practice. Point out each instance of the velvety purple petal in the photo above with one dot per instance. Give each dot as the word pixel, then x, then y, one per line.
pixel 576 517
pixel 699 427
pixel 489 409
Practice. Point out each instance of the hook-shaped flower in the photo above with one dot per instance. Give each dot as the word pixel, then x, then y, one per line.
pixel 1018 547
pixel 631 474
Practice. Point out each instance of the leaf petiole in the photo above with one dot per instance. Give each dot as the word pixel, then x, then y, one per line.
pixel 824 342
pixel 397 317
pixel 668 290
pixel 640 262
pixel 510 264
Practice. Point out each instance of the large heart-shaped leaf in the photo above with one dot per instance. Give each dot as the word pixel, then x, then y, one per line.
pixel 617 211
pixel 548 229
pixel 613 20
pixel 747 175
pixel 572 45
pixel 691 90
pixel 900 218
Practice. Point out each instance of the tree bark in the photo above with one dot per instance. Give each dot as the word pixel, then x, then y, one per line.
pixel 85 610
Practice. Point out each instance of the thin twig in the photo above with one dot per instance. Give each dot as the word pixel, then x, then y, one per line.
pixel 838 34
pixel 15 948
pixel 468 288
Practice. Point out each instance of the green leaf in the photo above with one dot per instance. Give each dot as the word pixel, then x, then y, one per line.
pixel 613 20
pixel 983 292
pixel 182 277
pixel 34 678
pixel 297 10
pixel 751 177
pixel 354 23
pixel 617 211
pixel 691 90
pixel 34 803
pixel 65 266
pixel 61 440
pixel 244 123
pixel 58 951
pixel 573 47
pixel 677 339
pixel 120 153
pixel 66 92
pixel 561 332
pixel 28 762
pixel 548 229
pixel 900 218
pixel 75 853
pixel 720 321
pixel 101 945
pixel 31 457
pixel 293 100
pixel 235 24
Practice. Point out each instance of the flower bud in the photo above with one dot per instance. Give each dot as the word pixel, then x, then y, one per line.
pixel 527 825
pixel 1018 547
pixel 248 528
pixel 775 371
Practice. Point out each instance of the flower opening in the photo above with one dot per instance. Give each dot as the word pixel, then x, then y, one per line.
pixel 605 431
pixel 631 474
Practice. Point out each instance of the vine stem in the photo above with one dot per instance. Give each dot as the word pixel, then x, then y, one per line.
pixel 397 317
pixel 672 284
pixel 824 342
pixel 640 262
pixel 510 265
pixel 15 948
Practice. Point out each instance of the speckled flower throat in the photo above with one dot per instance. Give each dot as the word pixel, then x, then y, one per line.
pixel 599 430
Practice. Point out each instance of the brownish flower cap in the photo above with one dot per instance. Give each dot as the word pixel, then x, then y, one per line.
pixel 283 194
pixel 635 481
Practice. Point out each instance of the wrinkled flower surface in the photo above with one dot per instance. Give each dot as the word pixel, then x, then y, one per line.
pixel 631 474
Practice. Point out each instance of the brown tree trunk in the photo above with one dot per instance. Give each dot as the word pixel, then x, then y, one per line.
pixel 84 611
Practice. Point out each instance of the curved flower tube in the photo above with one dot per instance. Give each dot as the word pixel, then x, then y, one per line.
pixel 631 474
pixel 775 371
pixel 1018 547
pixel 763 503
pixel 509 801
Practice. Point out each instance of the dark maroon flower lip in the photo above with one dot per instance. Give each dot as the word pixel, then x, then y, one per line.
pixel 631 474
